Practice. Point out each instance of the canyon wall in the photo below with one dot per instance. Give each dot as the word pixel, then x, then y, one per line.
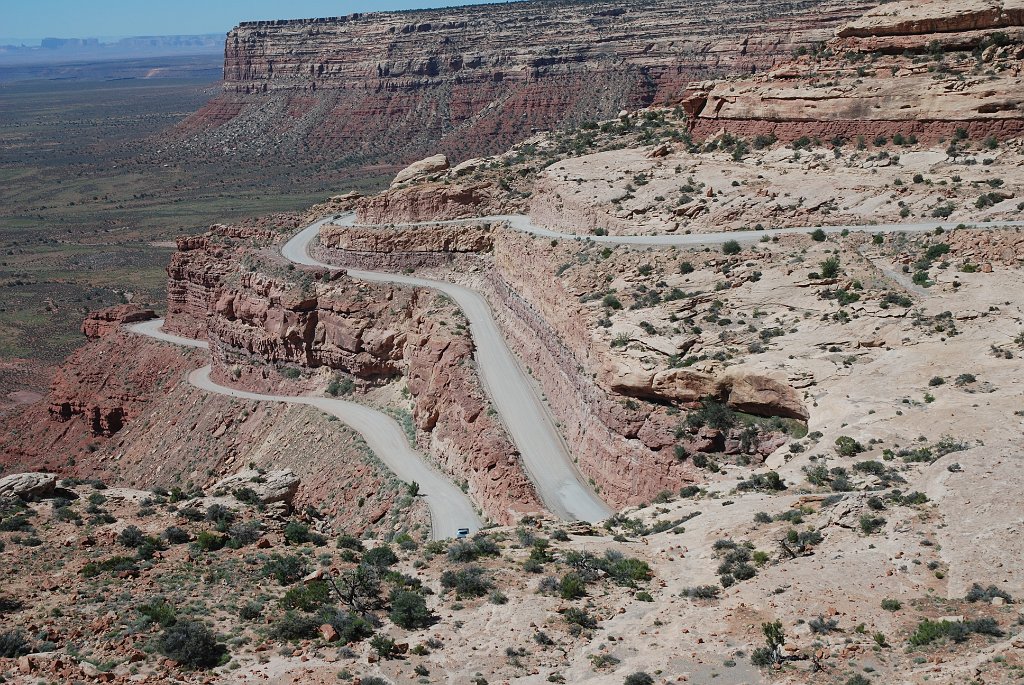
pixel 914 68
pixel 391 87
pixel 260 318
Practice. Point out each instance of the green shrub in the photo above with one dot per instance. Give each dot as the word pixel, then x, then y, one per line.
pixel 572 586
pixel 293 625
pixel 381 557
pixel 830 267
pixel 159 611
pixel 847 446
pixel 891 604
pixel 579 617
pixel 638 678
pixel 818 235
pixel 731 247
pixel 980 594
pixel 308 597
pixel 349 626
pixel 296 533
pixel 131 537
pixel 871 524
pixel 175 535
pixel 209 541
pixel 409 610
pixel 285 569
pixel 191 644
pixel 467 582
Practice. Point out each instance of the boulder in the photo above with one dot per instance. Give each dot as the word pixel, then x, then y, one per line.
pixel 27 484
pixel 764 396
pixel 430 165
pixel 274 486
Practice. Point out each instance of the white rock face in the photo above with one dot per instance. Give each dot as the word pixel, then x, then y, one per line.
pixel 27 484
pixel 423 167
pixel 275 486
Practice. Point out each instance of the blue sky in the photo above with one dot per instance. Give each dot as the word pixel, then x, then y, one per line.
pixel 35 19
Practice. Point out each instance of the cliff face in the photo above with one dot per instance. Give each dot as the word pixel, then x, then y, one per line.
pixel 388 87
pixel 916 68
pixel 256 319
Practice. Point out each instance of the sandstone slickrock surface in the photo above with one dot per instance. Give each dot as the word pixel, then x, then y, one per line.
pixel 472 80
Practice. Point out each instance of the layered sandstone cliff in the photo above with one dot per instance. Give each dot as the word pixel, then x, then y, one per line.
pixel 913 68
pixel 391 87
pixel 260 316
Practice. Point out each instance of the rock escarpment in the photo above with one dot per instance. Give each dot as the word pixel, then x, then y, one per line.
pixel 391 87
pixel 260 318
pixel 914 68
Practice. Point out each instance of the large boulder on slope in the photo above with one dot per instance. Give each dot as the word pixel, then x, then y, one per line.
pixel 27 485
pixel 273 486
pixel 430 165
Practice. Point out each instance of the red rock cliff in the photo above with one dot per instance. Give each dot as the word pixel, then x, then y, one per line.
pixel 391 87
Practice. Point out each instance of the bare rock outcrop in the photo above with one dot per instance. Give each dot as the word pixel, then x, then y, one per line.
pixel 105 321
pixel 271 486
pixel 27 484
pixel 416 170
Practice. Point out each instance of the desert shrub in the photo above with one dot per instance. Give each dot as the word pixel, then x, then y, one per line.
pixel 250 611
pixel 380 557
pixel 891 604
pixel 285 569
pixel 980 594
pixel 467 582
pixel 409 610
pixel 818 235
pixel 464 551
pixel 822 625
pixel 572 586
pixel 774 638
pixel 296 533
pixel 929 631
pixel 871 524
pixel 830 267
pixel 112 565
pixel 308 597
pixel 246 495
pixel 13 644
pixel 702 592
pixel 131 536
pixel 350 627
pixel 191 644
pixel 383 645
pixel 579 617
pixel 209 541
pixel 175 535
pixel 293 625
pixel 245 533
pixel 159 611
pixel 638 678
pixel 712 414
pixel 625 571
pixel 219 514
pixel 847 446
pixel 341 386
pixel 350 542
pixel 731 247
pixel 497 597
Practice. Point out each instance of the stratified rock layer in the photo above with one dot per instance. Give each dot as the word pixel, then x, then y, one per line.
pixel 395 87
